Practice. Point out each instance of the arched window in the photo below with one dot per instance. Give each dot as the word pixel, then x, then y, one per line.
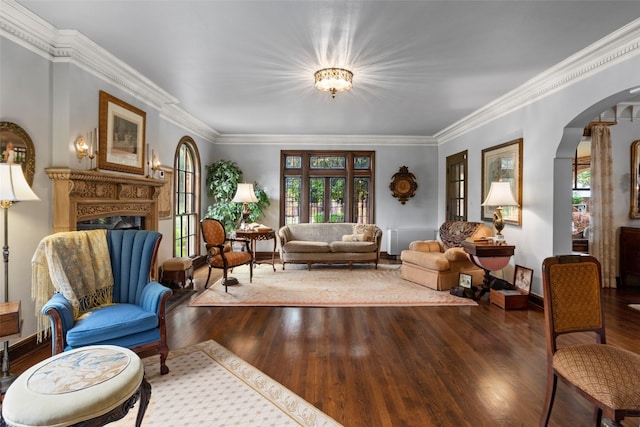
pixel 186 199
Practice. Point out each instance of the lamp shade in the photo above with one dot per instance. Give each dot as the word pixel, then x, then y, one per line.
pixel 500 195
pixel 13 185
pixel 245 194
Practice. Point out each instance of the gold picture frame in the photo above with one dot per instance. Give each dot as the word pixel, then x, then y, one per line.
pixel 121 137
pixel 16 147
pixel 503 163
pixel 165 210
pixel 634 210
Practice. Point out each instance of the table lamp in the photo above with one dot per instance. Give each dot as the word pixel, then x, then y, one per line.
pixel 13 188
pixel 245 195
pixel 499 195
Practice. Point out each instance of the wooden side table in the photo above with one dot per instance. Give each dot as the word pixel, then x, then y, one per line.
pixel 488 257
pixel 256 234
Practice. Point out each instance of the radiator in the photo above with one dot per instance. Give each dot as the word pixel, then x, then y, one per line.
pixel 399 238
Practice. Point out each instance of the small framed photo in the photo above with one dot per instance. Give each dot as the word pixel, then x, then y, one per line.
pixel 121 136
pixel 464 280
pixel 522 277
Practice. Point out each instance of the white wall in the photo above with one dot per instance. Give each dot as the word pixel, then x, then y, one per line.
pixel 54 104
pixel 546 225
pixel 261 163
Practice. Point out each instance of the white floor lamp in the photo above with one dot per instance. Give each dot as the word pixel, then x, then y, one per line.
pixel 13 188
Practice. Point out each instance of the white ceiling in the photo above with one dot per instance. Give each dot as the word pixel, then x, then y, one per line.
pixel 246 67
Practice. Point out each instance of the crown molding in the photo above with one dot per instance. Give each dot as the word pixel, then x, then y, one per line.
pixel 33 33
pixel 614 48
pixel 621 112
pixel 330 140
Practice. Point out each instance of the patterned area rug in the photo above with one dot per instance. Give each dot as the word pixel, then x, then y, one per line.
pixel 324 286
pixel 209 386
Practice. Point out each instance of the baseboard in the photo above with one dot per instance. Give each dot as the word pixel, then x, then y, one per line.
pixel 536 301
pixel 25 347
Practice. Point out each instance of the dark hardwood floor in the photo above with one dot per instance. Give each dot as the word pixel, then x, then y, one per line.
pixel 402 366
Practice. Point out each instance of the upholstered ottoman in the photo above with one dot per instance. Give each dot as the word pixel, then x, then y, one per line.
pixel 177 270
pixel 91 385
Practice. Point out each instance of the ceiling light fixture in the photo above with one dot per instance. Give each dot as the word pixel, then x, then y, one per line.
pixel 333 80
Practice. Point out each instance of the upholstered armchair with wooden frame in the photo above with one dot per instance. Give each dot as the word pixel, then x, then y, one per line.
pixel 607 376
pixel 135 316
pixel 221 253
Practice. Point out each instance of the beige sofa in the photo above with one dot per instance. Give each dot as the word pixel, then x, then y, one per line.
pixel 329 243
pixel 437 264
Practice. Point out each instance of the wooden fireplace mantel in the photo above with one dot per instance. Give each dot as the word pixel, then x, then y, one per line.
pixel 80 195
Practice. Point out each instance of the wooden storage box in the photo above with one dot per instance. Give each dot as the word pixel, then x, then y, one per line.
pixel 509 299
pixel 518 298
pixel 9 318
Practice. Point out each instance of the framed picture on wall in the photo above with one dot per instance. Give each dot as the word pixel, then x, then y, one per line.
pixel 503 163
pixel 121 136
pixel 16 147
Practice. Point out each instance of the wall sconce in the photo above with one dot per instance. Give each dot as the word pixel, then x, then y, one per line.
pixel 499 195
pixel 155 163
pixel 88 147
pixel 82 149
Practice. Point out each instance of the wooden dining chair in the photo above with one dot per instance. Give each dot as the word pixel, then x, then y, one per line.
pixel 607 376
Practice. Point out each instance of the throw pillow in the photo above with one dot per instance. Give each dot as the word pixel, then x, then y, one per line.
pixel 353 238
pixel 368 230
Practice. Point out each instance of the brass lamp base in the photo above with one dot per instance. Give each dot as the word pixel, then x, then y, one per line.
pixel 498 222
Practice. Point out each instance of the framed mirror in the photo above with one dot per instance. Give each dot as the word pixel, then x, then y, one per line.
pixel 16 147
pixel 634 211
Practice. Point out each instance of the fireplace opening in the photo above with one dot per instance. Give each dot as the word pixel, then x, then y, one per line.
pixel 115 222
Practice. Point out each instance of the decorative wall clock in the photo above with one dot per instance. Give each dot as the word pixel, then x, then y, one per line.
pixel 403 185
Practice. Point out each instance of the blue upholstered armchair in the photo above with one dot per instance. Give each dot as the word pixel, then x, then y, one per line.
pixel 135 319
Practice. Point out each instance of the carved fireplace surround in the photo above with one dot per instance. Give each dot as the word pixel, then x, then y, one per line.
pixel 80 195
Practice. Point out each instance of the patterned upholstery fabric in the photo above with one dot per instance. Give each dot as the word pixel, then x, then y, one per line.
pixel 213 233
pixel 608 374
pixel 452 233
pixel 575 305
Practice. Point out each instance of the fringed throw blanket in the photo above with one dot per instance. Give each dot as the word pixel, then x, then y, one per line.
pixel 75 264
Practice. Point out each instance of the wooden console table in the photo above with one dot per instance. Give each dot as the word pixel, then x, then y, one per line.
pixel 488 257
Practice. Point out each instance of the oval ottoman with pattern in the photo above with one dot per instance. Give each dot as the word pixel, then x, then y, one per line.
pixel 92 385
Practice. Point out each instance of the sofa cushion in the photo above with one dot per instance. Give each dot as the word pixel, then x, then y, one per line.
pixel 354 238
pixel 110 322
pixel 306 246
pixel 426 246
pixel 340 246
pixel 367 230
pixel 431 260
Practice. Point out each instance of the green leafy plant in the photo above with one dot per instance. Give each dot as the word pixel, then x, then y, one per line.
pixel 223 177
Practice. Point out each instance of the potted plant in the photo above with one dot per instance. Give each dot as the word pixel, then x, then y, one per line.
pixel 223 177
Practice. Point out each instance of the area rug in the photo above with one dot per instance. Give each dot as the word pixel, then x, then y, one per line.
pixel 324 286
pixel 208 385
pixel 635 306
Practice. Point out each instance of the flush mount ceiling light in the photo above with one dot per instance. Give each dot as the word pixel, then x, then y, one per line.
pixel 333 80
